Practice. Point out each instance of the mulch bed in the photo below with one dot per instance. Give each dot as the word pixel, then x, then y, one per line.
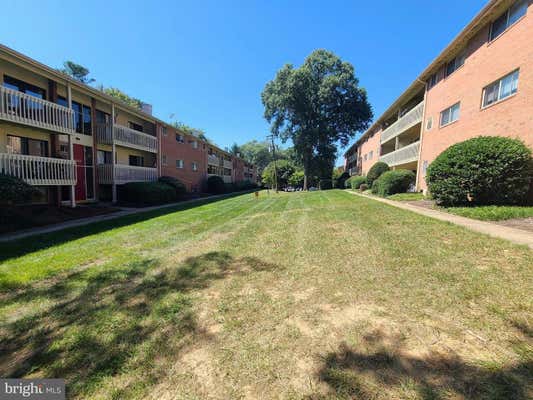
pixel 24 217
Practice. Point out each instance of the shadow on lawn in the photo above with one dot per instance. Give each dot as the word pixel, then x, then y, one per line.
pixel 20 247
pixel 132 320
pixel 380 364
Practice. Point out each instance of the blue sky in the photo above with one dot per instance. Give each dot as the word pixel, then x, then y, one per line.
pixel 207 62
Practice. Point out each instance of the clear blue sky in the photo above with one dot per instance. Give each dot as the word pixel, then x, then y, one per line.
pixel 208 61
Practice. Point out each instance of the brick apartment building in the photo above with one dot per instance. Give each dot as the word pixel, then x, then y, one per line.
pixel 481 84
pixel 76 144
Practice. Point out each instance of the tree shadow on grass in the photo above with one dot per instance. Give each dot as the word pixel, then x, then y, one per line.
pixel 380 366
pixel 21 247
pixel 97 324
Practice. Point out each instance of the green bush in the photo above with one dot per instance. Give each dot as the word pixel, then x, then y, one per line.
pixel 229 188
pixel 341 180
pixel 325 184
pixel 481 171
pixel 178 186
pixel 392 182
pixel 244 185
pixel 14 190
pixel 215 185
pixel 375 172
pixel 146 193
pixel 363 187
pixel 357 181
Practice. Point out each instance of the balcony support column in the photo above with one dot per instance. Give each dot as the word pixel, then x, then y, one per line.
pixel 113 155
pixel 95 149
pixel 71 148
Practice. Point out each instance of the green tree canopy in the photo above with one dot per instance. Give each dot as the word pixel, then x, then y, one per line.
pixel 119 94
pixel 284 170
pixel 199 133
pixel 316 105
pixel 76 71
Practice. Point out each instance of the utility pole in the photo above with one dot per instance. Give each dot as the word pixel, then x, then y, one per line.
pixel 271 137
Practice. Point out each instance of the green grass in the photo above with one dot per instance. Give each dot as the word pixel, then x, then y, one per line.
pixel 407 196
pixel 492 213
pixel 292 295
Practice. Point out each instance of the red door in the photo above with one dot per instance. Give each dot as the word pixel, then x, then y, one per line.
pixel 79 157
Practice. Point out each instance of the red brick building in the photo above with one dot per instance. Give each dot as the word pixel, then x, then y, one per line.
pixel 481 84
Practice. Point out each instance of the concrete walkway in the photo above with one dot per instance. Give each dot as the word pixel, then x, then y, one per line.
pixel 7 237
pixel 517 236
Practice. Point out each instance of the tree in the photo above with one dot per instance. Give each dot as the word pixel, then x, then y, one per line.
pixel 316 105
pixel 284 170
pixel 119 94
pixel 76 71
pixel 235 150
pixel 199 133
pixel 296 179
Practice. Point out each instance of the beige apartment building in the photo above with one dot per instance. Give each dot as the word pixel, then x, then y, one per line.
pixel 76 144
pixel 481 84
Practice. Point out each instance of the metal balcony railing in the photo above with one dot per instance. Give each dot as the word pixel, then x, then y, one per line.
pixel 39 171
pixel 403 155
pixel 409 120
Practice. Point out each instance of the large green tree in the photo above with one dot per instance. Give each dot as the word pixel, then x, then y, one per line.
pixel 316 106
pixel 284 168
pixel 77 71
pixel 119 94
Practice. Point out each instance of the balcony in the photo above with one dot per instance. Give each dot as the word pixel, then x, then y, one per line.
pixel 353 171
pixel 28 110
pixel 409 120
pixel 39 171
pixel 227 179
pixel 124 174
pixel 127 137
pixel 213 160
pixel 228 164
pixel 403 155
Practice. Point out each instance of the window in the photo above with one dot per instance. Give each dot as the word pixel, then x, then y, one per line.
pixel 508 18
pixel 134 126
pixel 429 123
pixel 136 161
pixel 455 64
pixel 179 164
pixel 370 155
pixel 164 130
pixel 82 116
pixel 194 166
pixel 24 87
pixel 194 144
pixel 164 159
pixel 27 146
pixel 212 170
pixel 179 138
pixel 499 90
pixel 104 157
pixel 432 81
pixel 450 115
pixel 227 172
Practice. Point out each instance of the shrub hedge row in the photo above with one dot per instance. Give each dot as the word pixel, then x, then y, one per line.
pixel 392 182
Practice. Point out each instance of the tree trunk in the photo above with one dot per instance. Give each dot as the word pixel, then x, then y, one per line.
pixel 305 181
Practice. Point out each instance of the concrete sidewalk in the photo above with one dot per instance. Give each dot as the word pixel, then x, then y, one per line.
pixel 7 237
pixel 517 236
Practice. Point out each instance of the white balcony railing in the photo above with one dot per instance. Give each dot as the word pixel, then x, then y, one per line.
pixel 409 120
pixel 22 108
pixel 213 160
pixel 124 174
pixel 127 137
pixel 401 156
pixel 39 171
pixel 228 164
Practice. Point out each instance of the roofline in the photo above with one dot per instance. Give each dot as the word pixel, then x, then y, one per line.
pixel 21 58
pixel 472 28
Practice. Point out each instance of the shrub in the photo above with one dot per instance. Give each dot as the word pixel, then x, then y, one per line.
pixel 363 187
pixel 178 186
pixel 481 171
pixel 244 185
pixel 147 193
pixel 357 181
pixel 392 182
pixel 341 180
pixel 375 172
pixel 215 185
pixel 325 184
pixel 229 187
pixel 14 190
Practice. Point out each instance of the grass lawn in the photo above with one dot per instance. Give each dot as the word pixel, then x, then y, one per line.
pixel 407 196
pixel 295 295
pixel 492 213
